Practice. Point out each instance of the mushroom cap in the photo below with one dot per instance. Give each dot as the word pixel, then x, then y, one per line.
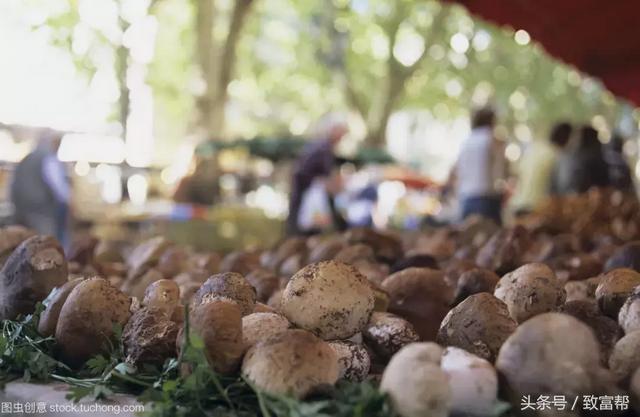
pixel 331 299
pixel 265 282
pixel 614 289
pixel 475 281
pixel 387 333
pixel 49 317
pixel 480 324
pixel 627 256
pixel 230 285
pixel 163 294
pixel 624 358
pixel 473 382
pixel 552 352
pixel 146 255
pixel 219 324
pixel 240 262
pixel 416 384
pixel 149 337
pixel 87 319
pixel 294 362
pixel 33 269
pixel 530 290
pixel 606 330
pixel 421 296
pixel 353 360
pixel 629 316
pixel 261 326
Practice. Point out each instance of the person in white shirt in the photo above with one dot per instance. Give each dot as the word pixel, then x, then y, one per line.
pixel 479 172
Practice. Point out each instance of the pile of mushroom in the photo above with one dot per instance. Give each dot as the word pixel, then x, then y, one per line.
pixel 450 321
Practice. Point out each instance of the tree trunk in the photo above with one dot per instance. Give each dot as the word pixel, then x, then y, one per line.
pixel 227 65
pixel 206 55
pixel 216 62
pixel 122 66
pixel 381 112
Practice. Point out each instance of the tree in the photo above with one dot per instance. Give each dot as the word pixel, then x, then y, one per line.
pixel 216 59
pixel 404 42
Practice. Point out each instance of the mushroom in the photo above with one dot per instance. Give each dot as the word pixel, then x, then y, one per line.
pixel 415 384
pixel 385 246
pixel 475 281
pixel 265 282
pixel 530 290
pixel 218 323
pixel 49 317
pixel 137 284
pixel 551 352
pixel 10 237
pixel 480 324
pixel 473 382
pixel 624 359
pixel 415 261
pixel 614 289
pixel 354 361
pixel 149 337
pixel 421 296
pixel 260 326
pixel 387 333
pixel 294 362
pixel 172 261
pixel 355 253
pixel 164 296
pixel 87 319
pixel 240 262
pixel 230 285
pixel 606 329
pixel 331 299
pixel 504 251
pixel 581 290
pixel 629 316
pixel 326 250
pixel 627 256
pixel 33 269
pixel 145 256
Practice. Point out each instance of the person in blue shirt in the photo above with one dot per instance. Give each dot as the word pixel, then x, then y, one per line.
pixel 40 190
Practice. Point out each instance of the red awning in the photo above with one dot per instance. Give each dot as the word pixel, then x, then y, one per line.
pixel 599 37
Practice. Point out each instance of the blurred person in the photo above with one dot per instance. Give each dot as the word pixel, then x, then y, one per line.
pixel 582 167
pixel 312 176
pixel 619 171
pixel 40 190
pixel 536 168
pixel 200 187
pixel 479 173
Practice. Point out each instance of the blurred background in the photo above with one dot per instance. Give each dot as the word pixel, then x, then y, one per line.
pixel 146 91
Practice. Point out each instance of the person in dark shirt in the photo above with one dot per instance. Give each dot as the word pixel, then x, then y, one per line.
pixel 619 171
pixel 316 161
pixel 582 167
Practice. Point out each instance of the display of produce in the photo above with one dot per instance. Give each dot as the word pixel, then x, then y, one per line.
pixel 471 319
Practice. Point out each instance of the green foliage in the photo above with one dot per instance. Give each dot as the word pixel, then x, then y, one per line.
pixel 24 353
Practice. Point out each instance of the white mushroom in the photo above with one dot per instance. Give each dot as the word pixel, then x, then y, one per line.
pixel 294 362
pixel 530 290
pixel 353 359
pixel 261 326
pixel 330 299
pixel 473 382
pixel 416 385
pixel 625 357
